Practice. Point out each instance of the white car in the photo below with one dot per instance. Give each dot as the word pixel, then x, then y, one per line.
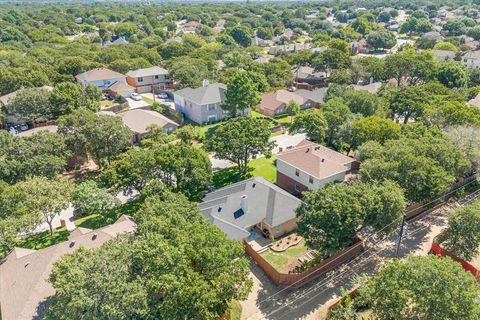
pixel 163 95
pixel 135 96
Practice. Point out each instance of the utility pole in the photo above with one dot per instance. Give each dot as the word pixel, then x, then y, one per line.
pixel 402 231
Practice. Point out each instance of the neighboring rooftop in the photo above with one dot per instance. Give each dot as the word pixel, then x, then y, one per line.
pixel 371 87
pixel 472 55
pixel 99 74
pixel 316 95
pixel 316 160
pixel 309 73
pixel 273 100
pixel 147 72
pixel 208 94
pixel 264 202
pixel 138 120
pixel 6 98
pixel 31 132
pixel 24 288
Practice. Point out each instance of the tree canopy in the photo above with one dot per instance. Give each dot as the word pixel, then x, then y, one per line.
pixel 239 140
pixel 422 287
pixel 178 265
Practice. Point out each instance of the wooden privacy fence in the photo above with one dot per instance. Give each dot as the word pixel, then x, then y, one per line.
pixel 296 280
pixel 418 210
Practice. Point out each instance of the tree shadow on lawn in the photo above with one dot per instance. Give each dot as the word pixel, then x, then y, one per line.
pixel 229 176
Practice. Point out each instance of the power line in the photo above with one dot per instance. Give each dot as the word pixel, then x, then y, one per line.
pixel 366 251
pixel 371 236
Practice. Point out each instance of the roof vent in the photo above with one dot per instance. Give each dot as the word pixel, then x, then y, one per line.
pixel 26 264
pixel 308 149
pixel 323 160
pixel 219 209
pixel 205 83
pixel 253 185
pixel 72 243
pixel 94 236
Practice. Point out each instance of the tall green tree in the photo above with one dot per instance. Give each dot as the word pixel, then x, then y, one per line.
pixel 373 128
pixel 422 288
pixel 177 266
pixel 241 95
pixel 462 235
pixel 47 197
pixel 381 39
pixel 452 74
pixel 241 35
pixel 336 113
pixel 331 216
pixel 88 198
pixel 240 139
pixel 42 154
pixel 313 122
pixel 32 105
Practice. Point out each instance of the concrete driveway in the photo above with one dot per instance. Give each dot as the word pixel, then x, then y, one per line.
pixel 285 140
pixel 136 104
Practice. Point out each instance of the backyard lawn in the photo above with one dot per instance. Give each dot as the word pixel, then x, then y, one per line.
pixel 262 167
pixel 286 260
pixel 93 221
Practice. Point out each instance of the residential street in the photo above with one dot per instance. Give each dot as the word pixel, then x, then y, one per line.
pixel 311 302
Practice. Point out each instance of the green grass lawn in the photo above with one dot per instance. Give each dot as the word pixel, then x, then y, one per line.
pixel 283 260
pixel 235 310
pixel 93 221
pixel 44 239
pixel 262 167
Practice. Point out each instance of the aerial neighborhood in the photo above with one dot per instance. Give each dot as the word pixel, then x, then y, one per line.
pixel 225 160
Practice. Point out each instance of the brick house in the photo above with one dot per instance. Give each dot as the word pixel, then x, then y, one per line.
pixel 275 103
pixel 149 79
pixel 309 166
pixel 240 208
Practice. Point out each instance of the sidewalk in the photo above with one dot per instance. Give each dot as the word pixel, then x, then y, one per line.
pixel 311 302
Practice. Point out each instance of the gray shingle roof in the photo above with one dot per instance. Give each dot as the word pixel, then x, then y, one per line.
pixel 212 93
pixel 24 273
pixel 266 202
pixel 147 72
pixel 316 95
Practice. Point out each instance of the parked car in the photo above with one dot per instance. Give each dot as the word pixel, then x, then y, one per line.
pixel 24 126
pixel 163 95
pixel 135 96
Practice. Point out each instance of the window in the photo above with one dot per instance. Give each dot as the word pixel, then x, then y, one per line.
pixel 297 172
pixel 140 79
pixel 156 77
pixel 212 118
pixel 211 107
pixel 297 188
pixel 310 179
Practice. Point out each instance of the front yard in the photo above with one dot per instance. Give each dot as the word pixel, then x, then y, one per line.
pixel 287 260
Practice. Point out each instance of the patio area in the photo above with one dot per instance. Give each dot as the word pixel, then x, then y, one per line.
pixel 286 261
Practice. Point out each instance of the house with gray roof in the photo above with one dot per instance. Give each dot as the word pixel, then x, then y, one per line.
pixel 249 205
pixel 140 120
pixel 317 96
pixel 202 105
pixel 24 286
pixel 471 59
pixel 443 55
